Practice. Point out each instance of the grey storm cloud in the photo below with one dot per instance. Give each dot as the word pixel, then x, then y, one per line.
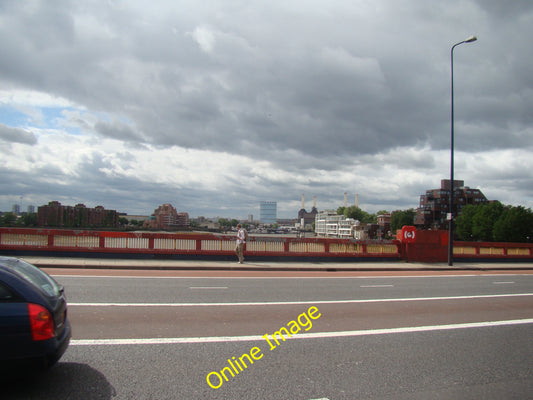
pixel 118 131
pixel 230 80
pixel 16 135
pixel 302 85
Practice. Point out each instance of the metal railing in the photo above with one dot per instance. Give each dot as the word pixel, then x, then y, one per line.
pixel 492 250
pixel 429 247
pixel 175 244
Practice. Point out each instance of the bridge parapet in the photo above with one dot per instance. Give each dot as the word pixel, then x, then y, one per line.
pixel 176 244
pixel 420 246
pixel 432 246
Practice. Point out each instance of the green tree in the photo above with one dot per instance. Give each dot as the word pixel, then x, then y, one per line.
pixel 227 223
pixel 224 222
pixel 9 219
pixel 29 219
pixel 484 219
pixel 358 214
pixel 465 222
pixel 514 225
pixel 136 223
pixel 401 218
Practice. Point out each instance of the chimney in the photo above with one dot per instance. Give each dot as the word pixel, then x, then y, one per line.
pixel 314 201
pixel 345 199
pixel 303 201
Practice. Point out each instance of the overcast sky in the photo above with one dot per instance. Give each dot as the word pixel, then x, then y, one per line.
pixel 214 106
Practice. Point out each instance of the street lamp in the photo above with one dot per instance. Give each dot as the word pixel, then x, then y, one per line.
pixel 450 214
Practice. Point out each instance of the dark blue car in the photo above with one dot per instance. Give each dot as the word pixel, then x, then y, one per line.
pixel 34 329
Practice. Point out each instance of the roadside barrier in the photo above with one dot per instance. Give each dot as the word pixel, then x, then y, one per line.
pixel 432 246
pixel 176 244
pixel 410 245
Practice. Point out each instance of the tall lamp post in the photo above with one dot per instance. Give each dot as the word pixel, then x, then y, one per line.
pixel 450 214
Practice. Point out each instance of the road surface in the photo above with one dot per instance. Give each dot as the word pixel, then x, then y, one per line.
pixel 162 335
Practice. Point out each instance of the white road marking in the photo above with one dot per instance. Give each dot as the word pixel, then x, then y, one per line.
pixel 502 283
pixel 283 303
pixel 375 286
pixel 317 335
pixel 208 287
pixel 283 277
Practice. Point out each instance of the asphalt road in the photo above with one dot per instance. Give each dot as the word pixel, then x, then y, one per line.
pixel 438 337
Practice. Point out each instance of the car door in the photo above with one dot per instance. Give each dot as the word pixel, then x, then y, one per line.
pixel 14 325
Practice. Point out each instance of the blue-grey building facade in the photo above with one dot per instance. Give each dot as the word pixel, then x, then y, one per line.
pixel 268 211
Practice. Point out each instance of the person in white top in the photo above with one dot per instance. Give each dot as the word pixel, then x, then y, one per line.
pixel 241 239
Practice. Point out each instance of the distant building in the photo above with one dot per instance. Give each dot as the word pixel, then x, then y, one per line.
pixel 330 224
pixel 183 219
pixel 138 218
pixel 268 211
pixel 166 217
pixel 307 217
pixel 207 223
pixel 15 209
pixel 31 209
pixel 384 224
pixel 56 215
pixel 435 204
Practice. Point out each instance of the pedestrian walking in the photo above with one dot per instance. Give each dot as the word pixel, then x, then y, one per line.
pixel 241 240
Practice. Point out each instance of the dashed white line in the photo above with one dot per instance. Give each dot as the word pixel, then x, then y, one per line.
pixel 375 286
pixel 503 283
pixel 60 275
pixel 208 287
pixel 317 335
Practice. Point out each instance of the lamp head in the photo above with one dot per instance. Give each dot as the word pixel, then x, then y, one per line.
pixel 471 39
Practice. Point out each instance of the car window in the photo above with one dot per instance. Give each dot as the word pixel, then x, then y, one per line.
pixel 5 293
pixel 33 275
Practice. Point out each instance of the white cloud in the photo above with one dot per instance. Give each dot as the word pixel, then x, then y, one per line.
pixel 218 105
pixel 205 38
pixel 31 98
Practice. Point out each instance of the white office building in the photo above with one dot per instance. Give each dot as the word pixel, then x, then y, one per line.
pixel 330 224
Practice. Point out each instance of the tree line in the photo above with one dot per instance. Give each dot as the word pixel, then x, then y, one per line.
pixel 495 222
pixel 485 222
pixel 25 220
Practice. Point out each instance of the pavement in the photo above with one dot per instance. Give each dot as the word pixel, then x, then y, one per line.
pixel 304 265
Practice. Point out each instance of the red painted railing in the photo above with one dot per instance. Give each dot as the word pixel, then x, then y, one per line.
pixel 493 250
pixel 172 244
pixel 432 246
pixel 424 246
